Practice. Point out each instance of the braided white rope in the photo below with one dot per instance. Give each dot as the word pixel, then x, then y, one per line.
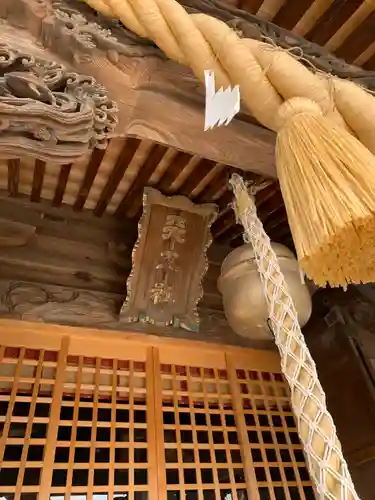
pixel 326 463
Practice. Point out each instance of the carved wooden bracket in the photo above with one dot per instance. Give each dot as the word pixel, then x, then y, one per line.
pixel 49 112
pixel 145 84
pixel 169 262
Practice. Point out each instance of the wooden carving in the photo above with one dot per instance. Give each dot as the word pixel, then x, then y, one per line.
pixel 113 38
pixel 64 305
pixel 169 262
pixel 49 112
pixel 157 98
pixel 145 84
pixel 88 29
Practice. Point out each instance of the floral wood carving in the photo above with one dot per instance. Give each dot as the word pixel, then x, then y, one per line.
pixel 47 303
pixel 88 30
pixel 48 112
pixel 169 262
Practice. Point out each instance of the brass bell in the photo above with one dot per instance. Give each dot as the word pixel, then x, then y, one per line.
pixel 244 303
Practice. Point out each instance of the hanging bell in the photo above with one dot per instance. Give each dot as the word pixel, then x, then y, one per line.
pixel 243 298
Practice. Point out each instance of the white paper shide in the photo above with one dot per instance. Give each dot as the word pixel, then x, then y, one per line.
pixel 221 106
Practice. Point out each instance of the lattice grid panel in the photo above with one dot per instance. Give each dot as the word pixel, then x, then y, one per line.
pixel 277 453
pixel 98 428
pixel 202 452
pixel 102 433
pixel 27 378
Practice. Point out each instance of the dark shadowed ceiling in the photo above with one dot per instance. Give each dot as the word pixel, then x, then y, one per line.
pixel 112 181
pixel 344 27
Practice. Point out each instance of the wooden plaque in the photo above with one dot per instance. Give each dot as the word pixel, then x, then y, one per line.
pixel 169 261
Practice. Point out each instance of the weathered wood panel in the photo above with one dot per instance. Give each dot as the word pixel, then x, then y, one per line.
pixel 115 185
pixel 344 377
pixel 33 301
pixel 63 247
pixel 157 98
pixel 62 266
pixel 137 73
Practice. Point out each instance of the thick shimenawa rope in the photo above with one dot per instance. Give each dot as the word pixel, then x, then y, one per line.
pixel 267 76
pixel 325 460
pixel 332 112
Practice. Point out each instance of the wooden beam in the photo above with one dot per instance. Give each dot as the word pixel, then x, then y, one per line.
pixel 61 184
pixel 269 202
pixel 217 187
pixel 366 55
pixel 14 234
pixel 370 63
pixel 252 27
pixel 64 305
pixel 132 201
pixel 123 161
pixel 269 9
pixel 39 171
pixel 225 200
pixel 359 40
pixel 201 171
pixel 311 15
pixel 250 5
pixel 223 223
pixel 291 12
pixel 331 21
pixel 90 174
pixel 210 178
pixel 346 29
pixel 157 98
pixel 172 103
pixel 13 177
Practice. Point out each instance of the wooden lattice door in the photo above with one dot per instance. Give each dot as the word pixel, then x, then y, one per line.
pixel 96 415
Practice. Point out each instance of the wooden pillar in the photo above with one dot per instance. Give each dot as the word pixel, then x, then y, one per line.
pixel 51 440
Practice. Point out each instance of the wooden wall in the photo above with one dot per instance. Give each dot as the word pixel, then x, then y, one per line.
pixel 61 266
pixel 343 370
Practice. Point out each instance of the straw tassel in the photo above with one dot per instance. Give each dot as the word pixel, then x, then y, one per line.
pixel 327 180
pixel 323 169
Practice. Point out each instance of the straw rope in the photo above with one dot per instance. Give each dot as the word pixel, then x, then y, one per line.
pixel 326 463
pixel 330 208
pixel 328 198
pixel 267 75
